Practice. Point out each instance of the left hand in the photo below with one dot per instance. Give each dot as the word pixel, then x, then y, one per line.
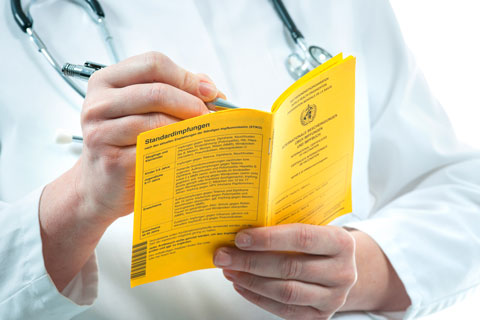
pixel 296 271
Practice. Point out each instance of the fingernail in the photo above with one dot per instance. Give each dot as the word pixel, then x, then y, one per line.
pixel 222 258
pixel 222 95
pixel 243 240
pixel 207 90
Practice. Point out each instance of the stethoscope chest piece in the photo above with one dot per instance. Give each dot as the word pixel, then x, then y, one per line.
pixel 320 55
pixel 304 58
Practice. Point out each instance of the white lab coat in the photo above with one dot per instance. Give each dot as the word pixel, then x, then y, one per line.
pixel 415 189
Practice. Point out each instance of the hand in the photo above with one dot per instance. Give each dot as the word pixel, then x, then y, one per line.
pixel 295 271
pixel 141 93
pixel 123 100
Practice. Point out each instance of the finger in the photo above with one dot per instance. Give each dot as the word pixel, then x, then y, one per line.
pixel 284 291
pixel 154 67
pixel 288 266
pixel 320 240
pixel 124 131
pixel 205 77
pixel 147 98
pixel 286 311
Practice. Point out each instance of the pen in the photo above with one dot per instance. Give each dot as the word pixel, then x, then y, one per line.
pixel 85 71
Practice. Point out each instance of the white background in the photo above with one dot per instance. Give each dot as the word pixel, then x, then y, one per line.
pixel 444 36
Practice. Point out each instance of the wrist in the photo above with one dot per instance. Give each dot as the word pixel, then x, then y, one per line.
pixel 64 203
pixel 69 233
pixel 378 287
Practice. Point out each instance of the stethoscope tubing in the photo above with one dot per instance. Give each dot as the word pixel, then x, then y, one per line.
pixel 287 20
pixel 25 22
pixel 298 63
pixel 297 36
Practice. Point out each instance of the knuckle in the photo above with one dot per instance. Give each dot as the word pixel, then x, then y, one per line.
pixel 91 110
pixel 250 281
pixel 95 78
pixel 250 263
pixel 188 80
pixel 347 276
pixel 352 276
pixel 154 60
pixel 92 136
pixel 290 268
pixel 306 237
pixel 156 120
pixel 96 105
pixel 88 114
pixel 289 292
pixel 156 93
pixel 346 241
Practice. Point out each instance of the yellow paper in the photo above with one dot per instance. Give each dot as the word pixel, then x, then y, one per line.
pixel 201 180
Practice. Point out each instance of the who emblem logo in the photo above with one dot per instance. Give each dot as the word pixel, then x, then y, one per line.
pixel 308 114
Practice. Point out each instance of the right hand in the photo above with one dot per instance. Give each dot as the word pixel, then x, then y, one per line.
pixel 139 94
pixel 123 100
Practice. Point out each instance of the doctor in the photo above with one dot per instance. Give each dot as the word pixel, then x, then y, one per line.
pixel 410 247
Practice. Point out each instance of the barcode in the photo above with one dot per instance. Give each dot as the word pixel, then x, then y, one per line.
pixel 139 260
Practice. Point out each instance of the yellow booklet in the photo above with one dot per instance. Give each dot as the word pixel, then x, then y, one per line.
pixel 201 180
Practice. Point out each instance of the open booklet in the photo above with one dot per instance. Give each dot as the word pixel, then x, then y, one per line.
pixel 201 180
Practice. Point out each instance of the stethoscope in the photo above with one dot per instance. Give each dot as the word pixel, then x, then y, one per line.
pixel 94 9
pixel 305 58
pixel 298 63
